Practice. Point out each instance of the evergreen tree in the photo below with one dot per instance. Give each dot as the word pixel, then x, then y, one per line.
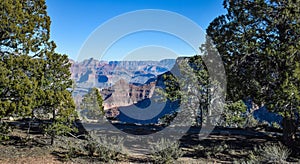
pixel 190 85
pixel 259 43
pixel 92 104
pixel 54 96
pixel 24 28
pixel 34 79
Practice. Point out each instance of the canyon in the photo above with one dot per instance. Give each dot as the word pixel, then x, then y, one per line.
pixel 125 85
pixel 121 83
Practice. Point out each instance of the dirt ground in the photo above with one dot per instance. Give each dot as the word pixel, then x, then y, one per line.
pixel 35 148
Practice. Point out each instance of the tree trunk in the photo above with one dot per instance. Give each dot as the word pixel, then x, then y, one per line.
pixel 53 121
pixel 289 131
pixel 29 124
pixel 52 140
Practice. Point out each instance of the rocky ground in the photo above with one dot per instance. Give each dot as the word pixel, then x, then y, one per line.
pixel 221 146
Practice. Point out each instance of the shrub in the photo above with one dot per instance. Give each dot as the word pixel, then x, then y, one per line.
pixel 112 149
pixel 218 148
pixel 269 153
pixel 165 151
pixel 276 125
pixel 105 148
pixel 199 150
pixel 167 119
pixel 74 149
pixel 5 129
pixel 98 147
pixel 70 148
pixel 211 151
pixel 91 146
pixel 251 121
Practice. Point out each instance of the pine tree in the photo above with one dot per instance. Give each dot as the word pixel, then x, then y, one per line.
pixel 92 104
pixel 259 43
pixel 188 83
pixel 55 98
pixel 24 28
pixel 34 79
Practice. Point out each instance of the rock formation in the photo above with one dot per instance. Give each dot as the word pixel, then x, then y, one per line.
pixel 121 83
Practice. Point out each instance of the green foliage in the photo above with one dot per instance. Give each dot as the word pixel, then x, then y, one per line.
pixel 275 125
pixel 71 153
pixel 74 149
pixel 18 85
pixel 33 78
pixel 55 99
pixel 61 126
pixel 211 151
pixel 259 44
pixel 251 121
pixel 166 151
pixel 105 148
pixel 102 148
pixel 24 28
pixel 4 131
pixel 269 153
pixel 91 147
pixel 167 119
pixel 92 103
pixel 234 114
pixel 190 87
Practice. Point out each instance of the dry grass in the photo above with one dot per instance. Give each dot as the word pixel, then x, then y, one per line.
pixel 36 149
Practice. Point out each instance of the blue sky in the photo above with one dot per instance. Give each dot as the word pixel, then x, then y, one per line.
pixel 73 21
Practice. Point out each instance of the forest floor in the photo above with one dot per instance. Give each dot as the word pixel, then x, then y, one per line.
pixel 226 146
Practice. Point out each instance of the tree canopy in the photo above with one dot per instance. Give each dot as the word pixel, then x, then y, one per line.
pixel 259 43
pixel 188 83
pixel 33 78
pixel 92 104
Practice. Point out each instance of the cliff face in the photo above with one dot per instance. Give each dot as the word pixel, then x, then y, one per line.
pixel 124 94
pixel 121 83
pixel 127 85
pixel 84 73
pixel 94 73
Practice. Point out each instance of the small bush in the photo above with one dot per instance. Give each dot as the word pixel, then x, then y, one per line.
pixel 71 153
pixel 91 146
pixel 219 148
pixel 165 151
pixel 167 119
pixel 105 148
pixel 98 147
pixel 74 149
pixel 199 150
pixel 211 151
pixel 251 122
pixel 5 129
pixel 269 153
pixel 276 125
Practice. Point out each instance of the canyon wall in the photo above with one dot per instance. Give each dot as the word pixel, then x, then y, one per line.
pixel 121 83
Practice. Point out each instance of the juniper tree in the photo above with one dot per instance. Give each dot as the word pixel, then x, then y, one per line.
pixel 259 43
pixel 92 103
pixel 188 83
pixel 33 76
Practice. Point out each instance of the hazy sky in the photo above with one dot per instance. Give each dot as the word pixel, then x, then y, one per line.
pixel 73 21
